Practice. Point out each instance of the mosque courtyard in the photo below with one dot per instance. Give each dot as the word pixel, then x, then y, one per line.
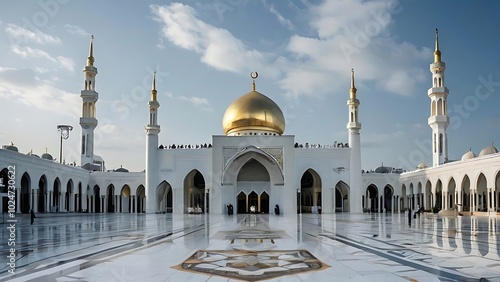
pixel 253 247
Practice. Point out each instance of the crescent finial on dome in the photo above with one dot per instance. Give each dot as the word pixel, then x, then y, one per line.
pixel 254 76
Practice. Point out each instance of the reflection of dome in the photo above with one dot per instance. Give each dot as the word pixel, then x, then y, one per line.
pixel 47 156
pixel 383 169
pixel 421 166
pixel 468 155
pixel 488 150
pixel 253 112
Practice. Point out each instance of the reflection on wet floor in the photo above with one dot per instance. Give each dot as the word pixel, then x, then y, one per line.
pixel 354 245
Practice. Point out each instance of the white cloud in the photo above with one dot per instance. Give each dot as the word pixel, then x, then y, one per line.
pixel 317 65
pixel 73 29
pixel 66 63
pixel 26 52
pixel 280 17
pixel 217 46
pixel 359 39
pixel 198 102
pixel 24 86
pixel 19 34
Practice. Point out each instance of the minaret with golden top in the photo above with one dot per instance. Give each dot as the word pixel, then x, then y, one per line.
pixel 438 119
pixel 152 131
pixel 353 128
pixel 88 120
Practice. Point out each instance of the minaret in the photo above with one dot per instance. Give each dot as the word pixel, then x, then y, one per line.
pixel 88 120
pixel 353 127
pixel 152 131
pixel 438 119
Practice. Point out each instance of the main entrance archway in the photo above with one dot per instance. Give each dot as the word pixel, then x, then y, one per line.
pixel 253 183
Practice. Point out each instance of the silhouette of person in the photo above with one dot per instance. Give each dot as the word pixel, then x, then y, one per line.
pixel 409 217
pixel 32 213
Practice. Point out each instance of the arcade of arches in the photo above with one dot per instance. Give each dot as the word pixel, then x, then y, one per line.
pixel 253 184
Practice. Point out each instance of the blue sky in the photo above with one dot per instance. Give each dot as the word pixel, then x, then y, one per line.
pixel 204 51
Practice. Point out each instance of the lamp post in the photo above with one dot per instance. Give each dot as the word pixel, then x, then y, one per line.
pixel 64 129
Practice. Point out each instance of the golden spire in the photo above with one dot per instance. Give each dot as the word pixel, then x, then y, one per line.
pixel 153 90
pixel 437 53
pixel 353 89
pixel 90 59
pixel 254 76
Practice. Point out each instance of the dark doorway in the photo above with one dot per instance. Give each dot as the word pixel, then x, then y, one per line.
pixel 242 203
pixel 264 203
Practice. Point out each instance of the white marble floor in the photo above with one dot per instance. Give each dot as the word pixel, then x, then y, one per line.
pixel 350 247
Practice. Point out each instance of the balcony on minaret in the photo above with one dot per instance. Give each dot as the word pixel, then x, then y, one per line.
pixel 437 90
pixel 88 121
pixel 354 125
pixel 438 119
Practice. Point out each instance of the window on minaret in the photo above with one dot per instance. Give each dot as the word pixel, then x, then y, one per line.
pixel 352 117
pixel 434 142
pixel 433 108
pixel 90 85
pixel 435 82
pixel 440 107
pixel 83 144
pixel 440 143
pixel 86 85
pixel 440 82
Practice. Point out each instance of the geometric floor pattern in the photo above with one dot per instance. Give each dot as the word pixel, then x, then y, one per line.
pixel 252 265
pixel 217 247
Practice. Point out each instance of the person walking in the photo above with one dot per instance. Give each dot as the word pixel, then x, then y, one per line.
pixel 409 217
pixel 32 213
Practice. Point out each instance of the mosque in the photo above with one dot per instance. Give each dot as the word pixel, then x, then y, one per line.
pixel 254 167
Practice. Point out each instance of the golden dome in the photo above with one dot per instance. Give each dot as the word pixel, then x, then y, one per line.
pixel 253 111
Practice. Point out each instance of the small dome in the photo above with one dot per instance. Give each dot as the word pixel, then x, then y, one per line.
pixel 32 155
pixel 121 169
pixel 468 155
pixel 488 150
pixel 47 156
pixel 253 111
pixel 383 169
pixel 421 166
pixel 11 147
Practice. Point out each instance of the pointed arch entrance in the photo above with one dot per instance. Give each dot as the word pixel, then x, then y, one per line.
pixel 4 178
pixel 141 199
pixel 428 192
pixel 56 194
pixel 310 191
pixel 253 181
pixel 451 199
pixel 439 195
pixel 25 193
pixel 110 195
pixel 372 198
pixel 466 193
pixel 388 194
pixel 42 194
pixel 403 198
pixel 68 196
pixel 481 192
pixel 341 197
pixel 97 199
pixel 164 197
pixel 125 199
pixel 194 192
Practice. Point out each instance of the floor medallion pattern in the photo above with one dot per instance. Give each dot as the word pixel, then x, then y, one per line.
pixel 251 265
